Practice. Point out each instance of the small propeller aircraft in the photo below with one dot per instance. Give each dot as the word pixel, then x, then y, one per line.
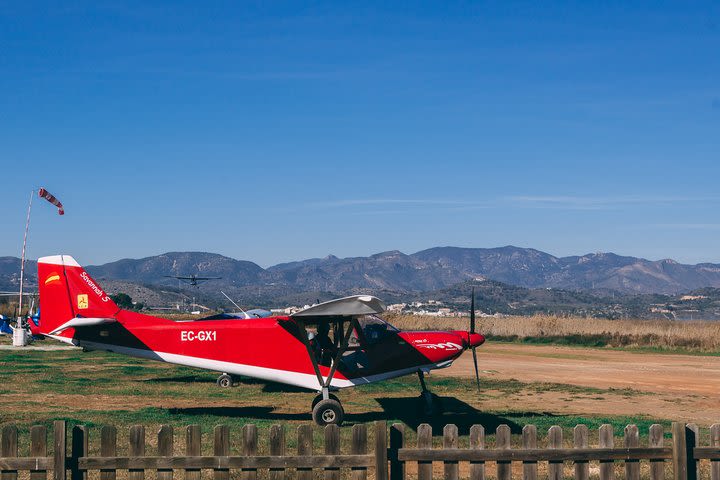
pixel 334 345
pixel 193 279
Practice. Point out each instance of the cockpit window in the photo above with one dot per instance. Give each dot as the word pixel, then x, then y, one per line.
pixel 375 329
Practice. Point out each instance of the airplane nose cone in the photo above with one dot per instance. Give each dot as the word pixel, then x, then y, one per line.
pixel 476 340
pixel 469 339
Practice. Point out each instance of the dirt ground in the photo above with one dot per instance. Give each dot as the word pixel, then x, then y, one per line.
pixel 682 387
pixel 556 380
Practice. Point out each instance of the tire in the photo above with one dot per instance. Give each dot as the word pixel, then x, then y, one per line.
pixel 319 398
pixel 225 381
pixel 328 412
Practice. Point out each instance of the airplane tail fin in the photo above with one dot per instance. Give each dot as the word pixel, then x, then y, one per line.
pixel 68 292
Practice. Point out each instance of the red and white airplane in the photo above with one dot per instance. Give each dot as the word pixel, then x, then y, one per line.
pixel 327 347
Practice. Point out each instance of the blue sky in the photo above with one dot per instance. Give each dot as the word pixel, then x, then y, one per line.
pixel 276 131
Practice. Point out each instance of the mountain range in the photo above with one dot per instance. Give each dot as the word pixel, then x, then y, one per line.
pixel 507 280
pixel 427 270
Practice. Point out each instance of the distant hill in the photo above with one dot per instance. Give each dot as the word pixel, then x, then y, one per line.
pixel 396 275
pixel 10 273
pixel 596 271
pixel 155 269
pixel 526 267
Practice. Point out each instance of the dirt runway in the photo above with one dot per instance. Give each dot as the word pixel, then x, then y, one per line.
pixel 664 386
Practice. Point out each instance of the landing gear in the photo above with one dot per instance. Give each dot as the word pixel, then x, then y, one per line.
pixel 430 404
pixel 327 410
pixel 225 381
pixel 317 399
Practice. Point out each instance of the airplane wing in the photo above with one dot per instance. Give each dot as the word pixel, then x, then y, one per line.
pixel 354 306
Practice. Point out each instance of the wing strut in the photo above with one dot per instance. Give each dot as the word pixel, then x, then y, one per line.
pixel 306 342
pixel 341 350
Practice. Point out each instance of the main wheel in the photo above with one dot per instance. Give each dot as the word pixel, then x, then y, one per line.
pixel 328 412
pixel 225 381
pixel 319 398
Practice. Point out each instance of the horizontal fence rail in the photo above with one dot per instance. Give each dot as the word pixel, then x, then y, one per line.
pixel 680 457
pixel 683 453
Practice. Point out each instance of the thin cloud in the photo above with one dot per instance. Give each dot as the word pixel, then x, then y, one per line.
pixel 386 201
pixel 558 202
pixel 687 226
pixel 568 202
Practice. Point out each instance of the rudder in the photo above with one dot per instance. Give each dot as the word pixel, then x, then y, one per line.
pixel 67 291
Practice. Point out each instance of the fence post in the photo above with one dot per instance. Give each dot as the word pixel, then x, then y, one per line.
pixel 679 451
pixel 555 440
pixel 38 448
pixel 632 439
pixel 655 439
pixel 381 454
pixel 692 433
pixel 193 448
pixel 79 449
pixel 305 447
pixel 529 439
pixel 502 442
pixel 9 449
pixel 424 440
pixel 715 442
pixel 108 448
pixel 607 440
pixel 250 444
pixel 450 440
pixel 165 449
pixel 277 449
pixel 221 448
pixel 359 447
pixel 332 447
pixel 59 450
pixel 397 439
pixel 477 441
pixel 580 440
pixel 137 449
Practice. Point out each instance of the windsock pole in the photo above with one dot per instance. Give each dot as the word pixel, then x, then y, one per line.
pixel 22 261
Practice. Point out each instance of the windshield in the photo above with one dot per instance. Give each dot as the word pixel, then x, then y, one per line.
pixel 375 329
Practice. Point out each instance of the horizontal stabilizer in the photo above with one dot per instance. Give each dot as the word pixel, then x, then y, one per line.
pixel 82 322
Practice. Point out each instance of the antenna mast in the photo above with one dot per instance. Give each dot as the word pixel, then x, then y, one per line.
pixel 236 305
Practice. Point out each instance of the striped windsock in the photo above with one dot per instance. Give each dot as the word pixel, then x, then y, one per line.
pixel 42 193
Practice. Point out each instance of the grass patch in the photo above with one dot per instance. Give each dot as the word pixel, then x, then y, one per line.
pixel 101 388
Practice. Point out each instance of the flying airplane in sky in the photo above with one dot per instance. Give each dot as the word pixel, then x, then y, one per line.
pixel 192 279
pixel 327 347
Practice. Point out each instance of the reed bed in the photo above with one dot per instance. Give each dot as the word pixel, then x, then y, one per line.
pixel 701 336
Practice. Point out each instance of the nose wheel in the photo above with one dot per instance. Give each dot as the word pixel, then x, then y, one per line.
pixel 327 411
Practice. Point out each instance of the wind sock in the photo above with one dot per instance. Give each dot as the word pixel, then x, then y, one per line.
pixel 42 193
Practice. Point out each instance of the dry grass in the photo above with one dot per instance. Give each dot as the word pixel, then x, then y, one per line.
pixel 701 336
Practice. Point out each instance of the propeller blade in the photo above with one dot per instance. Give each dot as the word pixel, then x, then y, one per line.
pixel 472 312
pixel 472 330
pixel 477 373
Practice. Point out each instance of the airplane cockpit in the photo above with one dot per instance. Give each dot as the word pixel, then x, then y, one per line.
pixel 375 329
pixel 365 335
pixel 347 335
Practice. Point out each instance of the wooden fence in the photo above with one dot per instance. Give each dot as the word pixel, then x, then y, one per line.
pixel 684 452
pixel 387 461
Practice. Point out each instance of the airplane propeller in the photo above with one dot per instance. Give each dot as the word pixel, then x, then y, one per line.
pixel 472 330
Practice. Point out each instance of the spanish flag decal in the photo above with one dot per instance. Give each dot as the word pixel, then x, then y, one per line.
pixel 53 277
